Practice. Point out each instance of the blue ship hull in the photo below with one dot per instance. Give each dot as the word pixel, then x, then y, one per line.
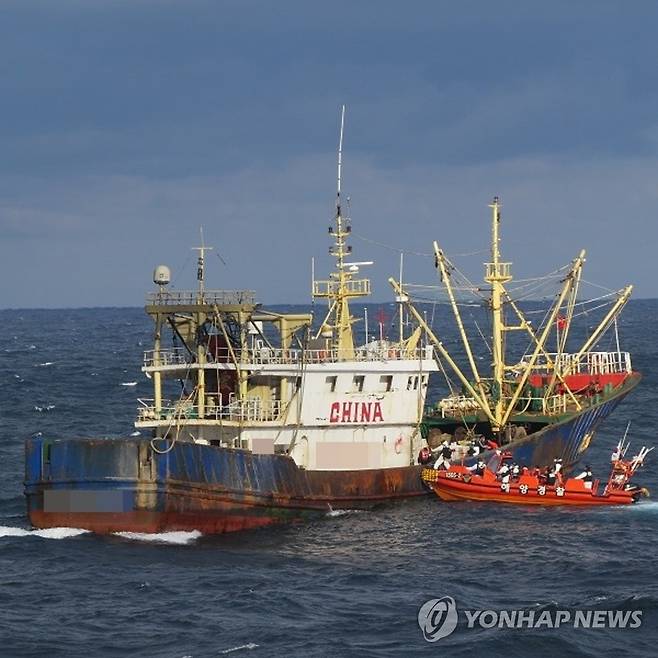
pixel 123 485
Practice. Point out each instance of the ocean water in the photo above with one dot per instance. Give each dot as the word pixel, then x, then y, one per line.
pixel 348 585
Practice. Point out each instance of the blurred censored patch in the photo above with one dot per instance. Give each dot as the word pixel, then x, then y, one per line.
pixel 62 500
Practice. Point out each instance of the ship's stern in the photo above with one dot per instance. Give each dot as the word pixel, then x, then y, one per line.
pixel 99 485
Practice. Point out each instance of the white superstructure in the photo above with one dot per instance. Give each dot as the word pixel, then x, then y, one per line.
pixel 268 382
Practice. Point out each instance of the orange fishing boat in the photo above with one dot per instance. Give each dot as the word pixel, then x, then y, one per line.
pixel 495 482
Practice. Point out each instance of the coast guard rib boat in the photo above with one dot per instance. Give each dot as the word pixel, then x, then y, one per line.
pixel 531 487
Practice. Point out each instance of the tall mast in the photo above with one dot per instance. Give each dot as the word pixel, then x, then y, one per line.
pixel 400 300
pixel 199 319
pixel 343 339
pixel 200 272
pixel 497 275
pixel 341 286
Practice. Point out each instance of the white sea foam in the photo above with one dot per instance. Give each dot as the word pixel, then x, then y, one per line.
pixel 45 364
pixel 128 383
pixel 646 506
pixel 180 537
pixel 137 433
pixel 251 645
pixel 342 512
pixel 46 533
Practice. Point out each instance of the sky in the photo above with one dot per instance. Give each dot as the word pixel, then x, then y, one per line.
pixel 128 124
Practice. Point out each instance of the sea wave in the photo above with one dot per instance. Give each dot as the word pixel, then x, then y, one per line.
pixel 242 647
pixel 646 506
pixel 343 512
pixel 46 533
pixel 48 407
pixel 179 537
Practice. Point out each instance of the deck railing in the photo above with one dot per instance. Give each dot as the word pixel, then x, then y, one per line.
pixel 353 287
pixel 193 297
pixel 295 356
pixel 498 270
pixel 168 357
pixel 592 363
pixel 251 409
pixel 458 405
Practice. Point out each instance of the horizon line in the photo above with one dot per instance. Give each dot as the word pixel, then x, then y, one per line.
pixel 378 303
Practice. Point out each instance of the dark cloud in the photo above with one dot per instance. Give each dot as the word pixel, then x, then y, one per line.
pixel 127 124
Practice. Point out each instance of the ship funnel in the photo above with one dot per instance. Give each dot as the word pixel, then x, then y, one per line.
pixel 161 275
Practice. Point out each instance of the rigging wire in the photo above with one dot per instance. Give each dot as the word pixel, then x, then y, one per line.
pixel 411 252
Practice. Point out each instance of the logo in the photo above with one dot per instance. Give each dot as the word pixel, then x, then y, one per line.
pixel 438 618
pixel 356 412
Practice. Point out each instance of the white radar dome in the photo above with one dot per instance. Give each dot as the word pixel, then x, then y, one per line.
pixel 161 275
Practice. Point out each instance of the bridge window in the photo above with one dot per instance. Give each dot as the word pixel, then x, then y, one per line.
pixel 386 383
pixel 357 383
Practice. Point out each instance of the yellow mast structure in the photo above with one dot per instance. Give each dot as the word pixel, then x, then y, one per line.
pixel 442 264
pixel 497 275
pixel 550 363
pixel 438 344
pixel 341 287
pixel 496 396
pixel 540 346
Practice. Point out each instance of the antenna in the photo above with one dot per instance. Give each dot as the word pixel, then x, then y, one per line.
pixel 312 280
pixel 628 427
pixel 341 285
pixel 401 301
pixel 200 272
pixel 340 156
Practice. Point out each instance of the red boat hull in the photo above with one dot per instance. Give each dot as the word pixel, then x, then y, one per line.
pixel 458 483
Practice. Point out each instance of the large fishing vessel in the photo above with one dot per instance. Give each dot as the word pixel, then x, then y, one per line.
pixel 257 417
pixel 260 417
pixel 540 404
